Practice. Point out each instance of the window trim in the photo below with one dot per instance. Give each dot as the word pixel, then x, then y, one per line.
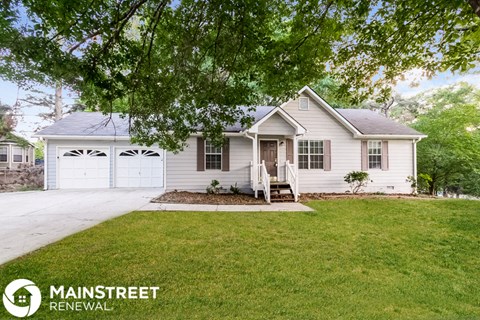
pixel 212 153
pixel 22 151
pixel 300 103
pixel 308 154
pixel 6 153
pixel 380 155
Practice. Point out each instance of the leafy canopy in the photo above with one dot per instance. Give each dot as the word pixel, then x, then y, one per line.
pixel 183 66
pixel 451 153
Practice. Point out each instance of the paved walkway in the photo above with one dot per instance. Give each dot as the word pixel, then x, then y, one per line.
pixel 296 207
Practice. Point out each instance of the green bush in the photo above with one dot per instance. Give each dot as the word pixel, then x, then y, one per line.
pixel 214 187
pixel 235 189
pixel 357 180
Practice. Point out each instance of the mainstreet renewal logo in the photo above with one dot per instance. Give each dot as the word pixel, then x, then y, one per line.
pixel 22 297
pixel 29 298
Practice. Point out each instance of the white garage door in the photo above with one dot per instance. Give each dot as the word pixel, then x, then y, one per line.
pixel 83 168
pixel 138 168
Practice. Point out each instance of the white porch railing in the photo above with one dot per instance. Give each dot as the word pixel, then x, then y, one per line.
pixel 264 180
pixel 291 178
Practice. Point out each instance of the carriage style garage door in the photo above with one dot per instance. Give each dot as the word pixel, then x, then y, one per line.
pixel 138 168
pixel 83 168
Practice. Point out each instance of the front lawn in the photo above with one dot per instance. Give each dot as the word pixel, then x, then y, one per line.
pixel 350 259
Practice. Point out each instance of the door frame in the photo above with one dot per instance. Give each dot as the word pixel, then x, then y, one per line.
pixel 58 157
pixel 260 153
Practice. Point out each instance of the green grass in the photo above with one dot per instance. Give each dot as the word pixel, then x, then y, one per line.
pixel 350 259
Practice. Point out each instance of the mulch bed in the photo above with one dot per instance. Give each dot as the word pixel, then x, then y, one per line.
pixel 204 198
pixel 247 199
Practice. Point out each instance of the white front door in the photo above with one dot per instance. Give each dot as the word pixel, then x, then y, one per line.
pixel 83 167
pixel 138 167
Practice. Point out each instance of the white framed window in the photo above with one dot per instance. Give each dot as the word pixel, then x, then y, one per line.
pixel 303 103
pixel 310 154
pixel 3 154
pixel 213 156
pixel 17 154
pixel 375 154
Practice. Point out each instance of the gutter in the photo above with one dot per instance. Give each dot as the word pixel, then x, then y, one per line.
pixel 389 136
pixel 67 137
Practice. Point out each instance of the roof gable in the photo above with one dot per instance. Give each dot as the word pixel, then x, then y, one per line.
pixel 362 122
pixel 307 90
pixel 299 129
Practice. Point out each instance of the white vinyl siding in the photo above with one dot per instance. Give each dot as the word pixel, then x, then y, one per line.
pixel 182 172
pixel 213 156
pixel 375 154
pixel 276 125
pixel 346 155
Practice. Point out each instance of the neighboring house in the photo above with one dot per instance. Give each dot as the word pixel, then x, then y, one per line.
pixel 15 152
pixel 302 146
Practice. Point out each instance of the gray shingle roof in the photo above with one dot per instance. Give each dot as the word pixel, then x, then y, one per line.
pixel 369 122
pixel 88 124
pixel 97 124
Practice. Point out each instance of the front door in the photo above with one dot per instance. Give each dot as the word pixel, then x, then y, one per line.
pixel 268 153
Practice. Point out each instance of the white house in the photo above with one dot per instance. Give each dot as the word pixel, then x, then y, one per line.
pixel 302 146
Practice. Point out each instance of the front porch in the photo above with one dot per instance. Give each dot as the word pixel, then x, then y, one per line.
pixel 273 171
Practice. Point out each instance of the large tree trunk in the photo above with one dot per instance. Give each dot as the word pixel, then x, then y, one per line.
pixel 58 101
pixel 476 6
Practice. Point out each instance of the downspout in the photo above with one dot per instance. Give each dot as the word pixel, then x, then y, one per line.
pixel 45 165
pixel 414 146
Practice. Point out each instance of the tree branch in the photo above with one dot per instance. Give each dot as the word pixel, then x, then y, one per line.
pixel 475 4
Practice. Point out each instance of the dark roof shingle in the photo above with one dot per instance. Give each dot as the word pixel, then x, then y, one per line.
pixel 369 122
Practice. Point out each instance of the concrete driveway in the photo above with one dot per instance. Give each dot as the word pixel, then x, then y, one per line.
pixel 30 220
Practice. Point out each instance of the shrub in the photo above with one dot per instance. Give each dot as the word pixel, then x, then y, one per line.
pixel 234 189
pixel 214 187
pixel 357 180
pixel 424 182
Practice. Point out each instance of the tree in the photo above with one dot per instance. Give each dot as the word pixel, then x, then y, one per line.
pixel 451 153
pixel 51 106
pixel 185 65
pixel 7 120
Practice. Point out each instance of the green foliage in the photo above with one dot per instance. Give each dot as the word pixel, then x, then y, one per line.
pixel 214 187
pixel 7 121
pixel 424 182
pixel 357 180
pixel 179 66
pixel 39 149
pixel 348 259
pixel 235 189
pixel 451 153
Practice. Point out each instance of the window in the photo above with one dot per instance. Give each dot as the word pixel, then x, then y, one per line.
pixel 73 153
pixel 17 154
pixel 96 153
pixel 303 103
pixel 213 156
pixel 310 154
pixel 374 154
pixel 3 154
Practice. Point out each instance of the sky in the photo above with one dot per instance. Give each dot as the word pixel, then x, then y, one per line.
pixel 9 93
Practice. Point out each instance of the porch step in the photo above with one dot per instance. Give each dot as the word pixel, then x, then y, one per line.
pixel 281 191
pixel 282 197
